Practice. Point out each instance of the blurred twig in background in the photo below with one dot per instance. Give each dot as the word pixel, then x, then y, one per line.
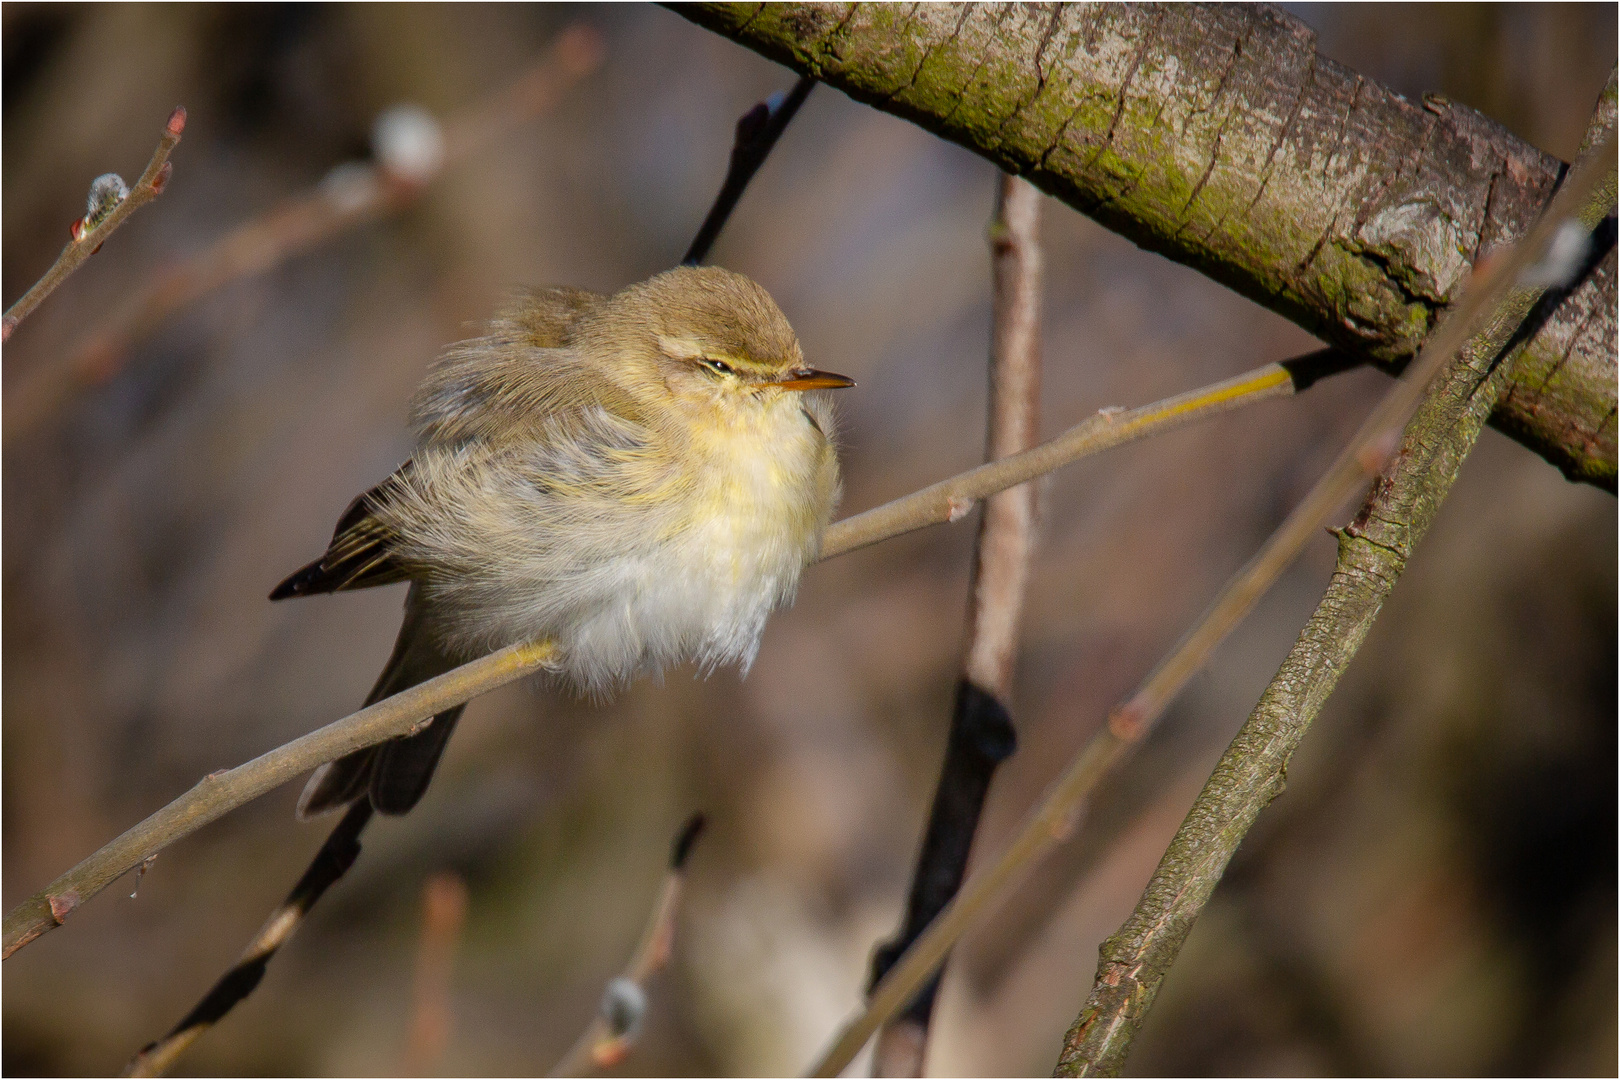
pixel 1372 448
pixel 411 150
pixel 757 131
pixel 611 1034
pixel 444 914
pixel 981 733
pixel 109 207
pixel 1373 551
pixel 337 854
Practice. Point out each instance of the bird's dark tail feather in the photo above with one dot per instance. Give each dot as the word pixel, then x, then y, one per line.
pixel 396 773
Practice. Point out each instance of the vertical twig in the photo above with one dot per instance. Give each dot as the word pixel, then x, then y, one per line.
pixel 613 1031
pixel 444 914
pixel 981 732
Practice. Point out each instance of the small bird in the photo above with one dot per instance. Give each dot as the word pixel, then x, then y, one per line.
pixel 639 479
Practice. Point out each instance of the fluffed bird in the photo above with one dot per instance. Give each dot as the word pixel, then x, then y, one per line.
pixel 639 479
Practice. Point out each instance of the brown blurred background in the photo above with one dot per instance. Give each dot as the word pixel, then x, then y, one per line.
pixel 1435 893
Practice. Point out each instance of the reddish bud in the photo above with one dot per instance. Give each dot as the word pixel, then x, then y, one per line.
pixel 177 121
pixel 6 327
pixel 76 230
pixel 62 906
pixel 1128 722
pixel 161 180
pixel 580 49
pixel 608 1053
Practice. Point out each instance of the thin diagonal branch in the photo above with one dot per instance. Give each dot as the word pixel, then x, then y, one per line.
pixel 950 500
pixel 1373 552
pixel 91 231
pixel 333 860
pixel 757 132
pixel 981 730
pixel 945 501
pixel 1489 292
pixel 612 1032
pixel 351 195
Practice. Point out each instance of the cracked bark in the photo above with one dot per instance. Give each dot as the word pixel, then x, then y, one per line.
pixel 1122 111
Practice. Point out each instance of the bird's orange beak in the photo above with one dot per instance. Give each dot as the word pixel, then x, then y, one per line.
pixel 810 379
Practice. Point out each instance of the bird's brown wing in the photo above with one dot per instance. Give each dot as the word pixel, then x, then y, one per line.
pixel 498 387
pixel 360 555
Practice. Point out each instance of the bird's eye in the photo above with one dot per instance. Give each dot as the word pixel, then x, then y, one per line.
pixel 720 367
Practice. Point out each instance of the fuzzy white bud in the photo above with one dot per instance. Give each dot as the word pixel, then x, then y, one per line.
pixel 106 192
pixel 1557 269
pixel 408 143
pixel 624 1003
pixel 349 186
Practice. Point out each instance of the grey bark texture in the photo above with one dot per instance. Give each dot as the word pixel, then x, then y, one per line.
pixel 1217 136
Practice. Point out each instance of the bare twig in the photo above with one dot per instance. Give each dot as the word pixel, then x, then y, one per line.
pixel 1368 452
pixel 981 732
pixel 948 500
pixel 612 1033
pixel 1373 551
pixel 101 221
pixel 351 195
pixel 757 132
pixel 444 913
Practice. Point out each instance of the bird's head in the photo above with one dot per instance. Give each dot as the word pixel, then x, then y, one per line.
pixel 705 334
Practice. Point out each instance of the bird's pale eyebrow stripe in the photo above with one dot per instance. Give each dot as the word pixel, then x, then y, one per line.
pixel 680 348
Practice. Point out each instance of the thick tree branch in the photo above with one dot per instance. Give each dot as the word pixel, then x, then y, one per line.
pixel 1373 552
pixel 1218 137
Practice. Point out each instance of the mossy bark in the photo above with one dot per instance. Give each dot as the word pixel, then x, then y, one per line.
pixel 1217 136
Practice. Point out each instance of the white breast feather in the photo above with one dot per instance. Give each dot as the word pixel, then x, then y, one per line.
pixel 625 586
